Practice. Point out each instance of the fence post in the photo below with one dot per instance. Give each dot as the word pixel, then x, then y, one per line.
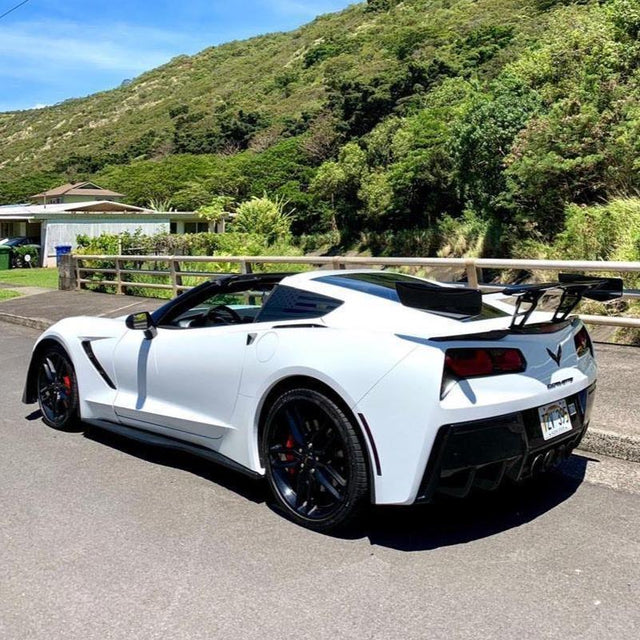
pixel 246 266
pixel 67 280
pixel 337 264
pixel 176 280
pixel 472 273
pixel 118 277
pixel 173 276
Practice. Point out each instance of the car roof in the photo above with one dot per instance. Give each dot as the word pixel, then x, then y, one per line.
pixel 350 284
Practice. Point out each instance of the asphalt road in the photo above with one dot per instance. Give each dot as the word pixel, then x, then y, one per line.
pixel 100 538
pixel 618 408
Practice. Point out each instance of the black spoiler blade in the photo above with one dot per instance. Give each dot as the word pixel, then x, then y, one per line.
pixel 600 289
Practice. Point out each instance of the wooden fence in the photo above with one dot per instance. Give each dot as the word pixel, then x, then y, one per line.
pixel 75 274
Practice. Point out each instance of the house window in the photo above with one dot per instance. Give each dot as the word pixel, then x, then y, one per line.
pixel 173 227
pixel 196 227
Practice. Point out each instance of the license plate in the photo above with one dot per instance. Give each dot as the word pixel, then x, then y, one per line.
pixel 554 419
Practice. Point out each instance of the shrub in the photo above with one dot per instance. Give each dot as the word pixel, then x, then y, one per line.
pixel 264 217
pixel 27 256
pixel 602 232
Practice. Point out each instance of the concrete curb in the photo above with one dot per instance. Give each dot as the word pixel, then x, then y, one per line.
pixel 605 443
pixel 609 443
pixel 33 323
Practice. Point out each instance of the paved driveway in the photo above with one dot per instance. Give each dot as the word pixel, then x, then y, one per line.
pixel 101 538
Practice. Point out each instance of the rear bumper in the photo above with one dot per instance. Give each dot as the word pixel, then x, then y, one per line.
pixel 483 453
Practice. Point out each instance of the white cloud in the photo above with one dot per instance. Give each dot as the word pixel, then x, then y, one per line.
pixel 37 50
pixel 43 61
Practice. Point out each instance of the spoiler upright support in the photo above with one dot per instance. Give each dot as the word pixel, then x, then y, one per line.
pixel 573 287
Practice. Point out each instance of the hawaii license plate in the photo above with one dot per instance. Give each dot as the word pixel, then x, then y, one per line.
pixel 554 419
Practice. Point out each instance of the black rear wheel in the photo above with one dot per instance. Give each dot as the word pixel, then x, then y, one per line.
pixel 58 390
pixel 315 464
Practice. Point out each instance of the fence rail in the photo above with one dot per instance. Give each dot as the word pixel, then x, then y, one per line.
pixel 75 275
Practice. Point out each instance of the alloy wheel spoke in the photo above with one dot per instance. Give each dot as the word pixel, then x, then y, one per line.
pixel 332 473
pixel 322 479
pixel 294 427
pixel 59 405
pixel 49 370
pixel 276 463
pixel 280 449
pixel 303 493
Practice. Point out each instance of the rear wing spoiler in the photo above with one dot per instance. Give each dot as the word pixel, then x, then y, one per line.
pixel 468 302
pixel 573 289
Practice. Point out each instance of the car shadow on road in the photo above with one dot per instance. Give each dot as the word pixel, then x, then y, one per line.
pixel 451 522
pixel 416 528
pixel 231 480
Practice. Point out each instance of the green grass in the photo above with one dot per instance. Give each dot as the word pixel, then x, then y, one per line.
pixel 5 294
pixel 47 278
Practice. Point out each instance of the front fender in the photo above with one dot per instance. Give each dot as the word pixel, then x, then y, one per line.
pixel 70 334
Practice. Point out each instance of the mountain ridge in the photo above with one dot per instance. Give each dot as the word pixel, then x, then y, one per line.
pixel 275 64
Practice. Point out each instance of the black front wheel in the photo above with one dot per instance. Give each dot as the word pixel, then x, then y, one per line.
pixel 58 390
pixel 315 463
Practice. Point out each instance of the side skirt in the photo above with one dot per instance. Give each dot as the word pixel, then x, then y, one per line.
pixel 158 440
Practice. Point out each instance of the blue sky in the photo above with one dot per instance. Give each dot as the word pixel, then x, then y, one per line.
pixel 51 50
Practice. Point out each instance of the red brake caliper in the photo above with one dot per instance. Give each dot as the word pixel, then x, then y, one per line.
pixel 67 383
pixel 290 443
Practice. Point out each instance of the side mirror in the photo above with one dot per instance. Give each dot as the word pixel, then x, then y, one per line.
pixel 142 322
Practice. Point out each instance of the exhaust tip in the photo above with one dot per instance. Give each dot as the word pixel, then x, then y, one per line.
pixel 536 464
pixel 549 459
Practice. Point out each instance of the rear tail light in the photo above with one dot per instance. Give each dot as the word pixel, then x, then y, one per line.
pixel 469 363
pixel 472 363
pixel 583 342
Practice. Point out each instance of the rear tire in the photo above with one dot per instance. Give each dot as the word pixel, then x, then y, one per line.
pixel 315 463
pixel 57 388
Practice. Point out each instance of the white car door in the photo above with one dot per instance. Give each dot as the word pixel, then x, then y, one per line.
pixel 182 381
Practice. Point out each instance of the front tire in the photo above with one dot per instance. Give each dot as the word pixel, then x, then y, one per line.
pixel 315 463
pixel 57 387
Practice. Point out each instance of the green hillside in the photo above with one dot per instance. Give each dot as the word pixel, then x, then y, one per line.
pixel 449 119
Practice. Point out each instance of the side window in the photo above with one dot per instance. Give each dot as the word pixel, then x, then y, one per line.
pixel 219 309
pixel 287 303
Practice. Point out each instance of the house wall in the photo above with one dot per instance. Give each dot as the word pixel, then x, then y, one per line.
pixel 72 199
pixel 64 232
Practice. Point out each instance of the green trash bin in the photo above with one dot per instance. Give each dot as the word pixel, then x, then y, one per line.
pixel 5 257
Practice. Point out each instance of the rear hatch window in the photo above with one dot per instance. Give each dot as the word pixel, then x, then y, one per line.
pixel 383 285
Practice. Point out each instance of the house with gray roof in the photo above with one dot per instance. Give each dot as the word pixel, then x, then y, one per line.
pixel 60 215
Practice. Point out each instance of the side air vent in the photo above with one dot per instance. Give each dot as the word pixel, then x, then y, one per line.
pixel 86 345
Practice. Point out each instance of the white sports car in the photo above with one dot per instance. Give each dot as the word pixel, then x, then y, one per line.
pixel 343 388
